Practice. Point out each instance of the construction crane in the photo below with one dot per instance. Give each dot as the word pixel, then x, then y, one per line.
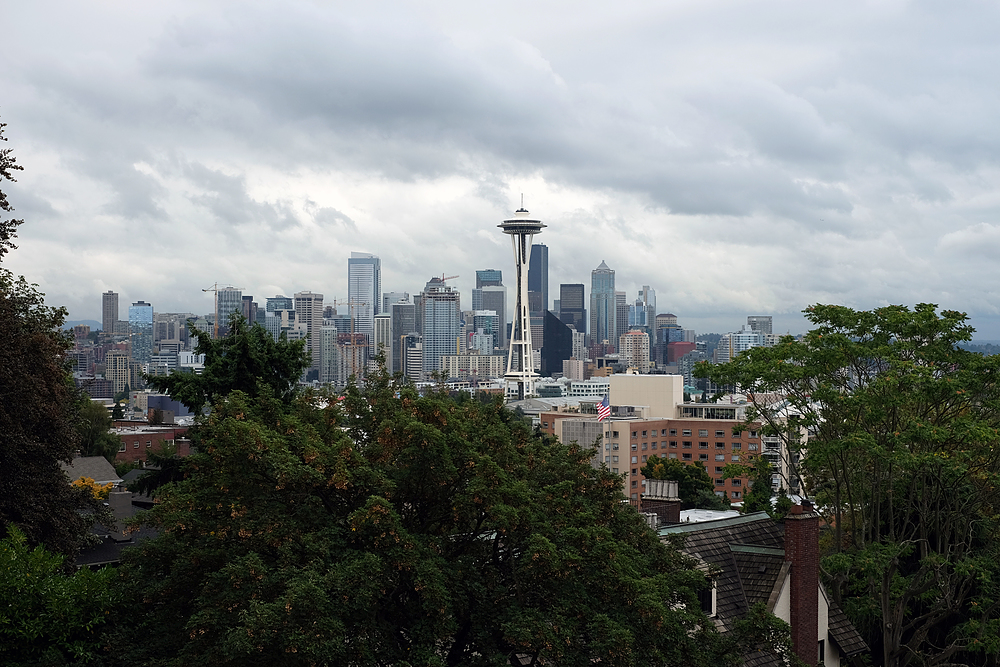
pixel 215 288
pixel 445 278
pixel 354 345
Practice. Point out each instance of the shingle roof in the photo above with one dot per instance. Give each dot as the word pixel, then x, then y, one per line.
pixel 843 632
pixel 748 553
pixel 95 467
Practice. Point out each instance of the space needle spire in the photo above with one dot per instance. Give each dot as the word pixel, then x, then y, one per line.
pixel 521 376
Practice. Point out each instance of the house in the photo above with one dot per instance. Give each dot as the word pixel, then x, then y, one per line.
pixel 754 559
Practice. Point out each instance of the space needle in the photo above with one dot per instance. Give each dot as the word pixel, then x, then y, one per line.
pixel 521 376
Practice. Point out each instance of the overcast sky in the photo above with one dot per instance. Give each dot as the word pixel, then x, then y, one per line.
pixel 738 157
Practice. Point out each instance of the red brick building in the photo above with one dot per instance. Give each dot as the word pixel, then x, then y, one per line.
pixel 139 438
pixel 628 443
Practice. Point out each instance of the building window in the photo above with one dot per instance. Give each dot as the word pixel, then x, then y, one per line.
pixel 673 455
pixel 673 431
pixel 687 456
pixel 635 434
pixel 822 652
pixel 644 457
pixel 615 446
pixel 644 445
pixel 737 445
pixel 720 457
pixel 614 459
pixel 635 496
pixel 664 432
pixel 135 445
pixel 673 444
pixel 703 457
pixel 644 434
pixel 654 446
pixel 687 444
pixel 734 457
pixel 706 598
pixel 753 434
pixel 607 459
pixel 703 432
pixel 737 482
pixel 615 434
pixel 720 434
pixel 634 447
pixel 718 469
pixel 607 434
pixel 720 445
pixel 752 446
pixel 736 436
pixel 720 482
pixel 149 443
pixel 635 471
pixel 686 431
pixel 635 459
pixel 702 445
pixel 121 447
pixel 635 484
pixel 614 470
pixel 736 494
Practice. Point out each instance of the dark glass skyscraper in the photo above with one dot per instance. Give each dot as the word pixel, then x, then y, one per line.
pixel 489 278
pixel 603 311
pixel 571 310
pixel 538 279
pixel 558 344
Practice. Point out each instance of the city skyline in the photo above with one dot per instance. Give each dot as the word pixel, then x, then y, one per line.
pixel 749 159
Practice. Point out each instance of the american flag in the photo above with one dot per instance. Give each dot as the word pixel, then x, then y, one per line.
pixel 603 409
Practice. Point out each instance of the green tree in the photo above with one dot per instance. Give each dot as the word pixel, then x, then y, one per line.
pixel 394 529
pixel 8 228
pixel 245 359
pixel 903 453
pixel 48 617
pixel 94 428
pixel 118 412
pixel 694 486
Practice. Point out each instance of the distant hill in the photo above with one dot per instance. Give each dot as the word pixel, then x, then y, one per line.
pixel 985 348
pixel 93 324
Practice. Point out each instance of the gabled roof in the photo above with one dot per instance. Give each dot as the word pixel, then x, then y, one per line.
pixel 96 468
pixel 747 552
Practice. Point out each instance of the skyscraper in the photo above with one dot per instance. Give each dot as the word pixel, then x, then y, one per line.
pixel 403 323
pixel 382 341
pixel 440 311
pixel 603 325
pixel 229 300
pixel 760 323
pixel 538 280
pixel 309 311
pixel 109 311
pixel 140 322
pixel 364 290
pixel 490 294
pixel 571 309
pixel 489 278
pixel 621 316
pixel 389 298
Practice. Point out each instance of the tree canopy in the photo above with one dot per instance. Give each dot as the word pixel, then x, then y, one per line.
pixel 395 529
pixel 694 487
pixel 902 451
pixel 245 359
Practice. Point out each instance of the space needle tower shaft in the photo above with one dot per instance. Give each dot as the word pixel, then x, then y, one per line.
pixel 521 376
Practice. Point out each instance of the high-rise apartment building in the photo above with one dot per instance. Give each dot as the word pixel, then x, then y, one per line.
pixel 603 313
pixel 364 291
pixel 633 350
pixel 116 370
pixel 309 312
pixel 571 306
pixel 440 310
pixel 140 322
pixel 538 280
pixel 489 278
pixel 403 323
pixel 109 311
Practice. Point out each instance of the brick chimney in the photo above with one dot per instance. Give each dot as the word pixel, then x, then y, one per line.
pixel 802 551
